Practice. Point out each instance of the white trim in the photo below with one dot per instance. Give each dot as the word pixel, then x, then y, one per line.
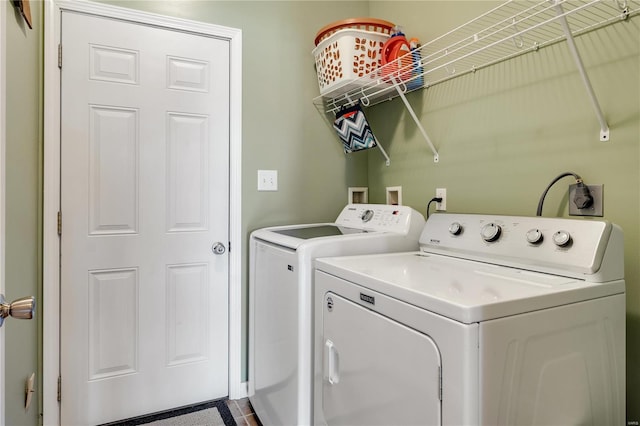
pixel 51 285
pixel 3 112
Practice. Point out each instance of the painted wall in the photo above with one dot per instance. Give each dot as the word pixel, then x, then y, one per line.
pixel 23 202
pixel 505 132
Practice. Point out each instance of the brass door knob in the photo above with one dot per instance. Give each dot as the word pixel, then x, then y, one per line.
pixel 22 308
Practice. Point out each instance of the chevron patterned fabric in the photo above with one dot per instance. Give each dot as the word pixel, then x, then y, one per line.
pixel 354 130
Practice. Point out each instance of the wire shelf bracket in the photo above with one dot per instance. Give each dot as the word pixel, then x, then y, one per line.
pixel 604 127
pixel 396 84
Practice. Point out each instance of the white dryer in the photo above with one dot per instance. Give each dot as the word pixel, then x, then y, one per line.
pixel 281 298
pixel 496 320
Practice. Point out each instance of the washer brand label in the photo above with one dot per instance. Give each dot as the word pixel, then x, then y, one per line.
pixel 367 298
pixel 434 241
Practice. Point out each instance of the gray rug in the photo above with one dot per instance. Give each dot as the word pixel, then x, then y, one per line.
pixel 207 417
pixel 212 413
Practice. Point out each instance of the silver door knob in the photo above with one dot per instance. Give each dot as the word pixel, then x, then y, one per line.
pixel 218 248
pixel 21 309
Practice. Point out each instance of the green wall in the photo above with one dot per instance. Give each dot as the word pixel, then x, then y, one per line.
pixel 23 204
pixel 505 132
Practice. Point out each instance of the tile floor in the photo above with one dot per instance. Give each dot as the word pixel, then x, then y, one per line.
pixel 242 412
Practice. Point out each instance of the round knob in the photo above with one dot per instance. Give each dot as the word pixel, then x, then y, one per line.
pixel 23 308
pixel 490 232
pixel 561 238
pixel 534 236
pixel 455 228
pixel 367 215
pixel 218 248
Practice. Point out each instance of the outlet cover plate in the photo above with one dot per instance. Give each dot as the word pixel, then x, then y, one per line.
pixel 597 209
pixel 267 180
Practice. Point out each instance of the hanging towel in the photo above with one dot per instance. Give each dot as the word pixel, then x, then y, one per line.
pixel 354 130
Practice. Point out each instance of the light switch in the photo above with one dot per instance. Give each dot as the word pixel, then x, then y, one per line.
pixel 267 180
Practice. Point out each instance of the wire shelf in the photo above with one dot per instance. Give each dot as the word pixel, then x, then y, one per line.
pixel 509 30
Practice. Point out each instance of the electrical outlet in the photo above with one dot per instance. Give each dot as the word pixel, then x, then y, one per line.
pixel 267 180
pixel 442 205
pixel 596 209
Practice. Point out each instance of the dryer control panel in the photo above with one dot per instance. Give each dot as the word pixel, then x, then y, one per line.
pixel 569 247
pixel 380 217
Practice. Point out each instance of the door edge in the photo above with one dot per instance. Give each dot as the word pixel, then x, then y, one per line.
pixel 3 110
pixel 51 198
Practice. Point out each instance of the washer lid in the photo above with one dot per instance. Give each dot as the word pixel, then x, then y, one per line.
pixel 317 231
pixel 293 236
pixel 463 290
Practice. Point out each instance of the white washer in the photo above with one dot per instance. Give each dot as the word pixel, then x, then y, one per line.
pixel 497 320
pixel 280 298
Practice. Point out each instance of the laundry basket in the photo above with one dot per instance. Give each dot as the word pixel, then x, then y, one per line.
pixel 347 50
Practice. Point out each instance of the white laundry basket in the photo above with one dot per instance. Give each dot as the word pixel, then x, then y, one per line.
pixel 348 50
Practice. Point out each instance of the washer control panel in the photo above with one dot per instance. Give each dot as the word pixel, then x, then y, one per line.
pixel 536 243
pixel 380 217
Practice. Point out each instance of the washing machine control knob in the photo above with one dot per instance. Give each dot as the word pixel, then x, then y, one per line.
pixel 562 238
pixel 534 236
pixel 490 232
pixel 367 215
pixel 455 228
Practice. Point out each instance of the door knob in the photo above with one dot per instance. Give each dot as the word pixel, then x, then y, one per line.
pixel 218 248
pixel 21 308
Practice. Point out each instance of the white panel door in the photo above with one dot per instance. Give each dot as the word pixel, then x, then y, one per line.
pixel 144 196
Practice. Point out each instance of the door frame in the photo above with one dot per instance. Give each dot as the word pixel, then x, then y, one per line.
pixel 51 202
pixel 3 119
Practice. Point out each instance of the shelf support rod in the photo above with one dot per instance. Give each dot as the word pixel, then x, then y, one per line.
pixel 604 127
pixel 436 158
pixel 388 162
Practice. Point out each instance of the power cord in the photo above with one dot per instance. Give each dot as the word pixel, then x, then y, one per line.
pixel 582 198
pixel 434 199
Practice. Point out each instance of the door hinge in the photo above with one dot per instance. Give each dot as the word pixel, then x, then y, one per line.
pixel 60 55
pixel 440 383
pixel 59 388
pixel 59 224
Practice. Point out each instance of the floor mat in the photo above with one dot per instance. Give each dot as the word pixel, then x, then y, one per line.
pixel 213 413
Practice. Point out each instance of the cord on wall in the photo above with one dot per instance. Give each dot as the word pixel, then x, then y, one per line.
pixel 583 198
pixel 433 200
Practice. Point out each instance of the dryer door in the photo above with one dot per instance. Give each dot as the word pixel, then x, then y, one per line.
pixel 376 370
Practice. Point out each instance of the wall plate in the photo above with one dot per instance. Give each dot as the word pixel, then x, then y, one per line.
pixel 358 195
pixel 597 209
pixel 267 180
pixel 394 195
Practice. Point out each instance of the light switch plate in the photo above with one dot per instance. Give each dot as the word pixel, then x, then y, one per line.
pixel 267 180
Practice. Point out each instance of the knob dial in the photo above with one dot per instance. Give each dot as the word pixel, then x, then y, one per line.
pixel 490 232
pixel 534 236
pixel 455 228
pixel 561 238
pixel 367 215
